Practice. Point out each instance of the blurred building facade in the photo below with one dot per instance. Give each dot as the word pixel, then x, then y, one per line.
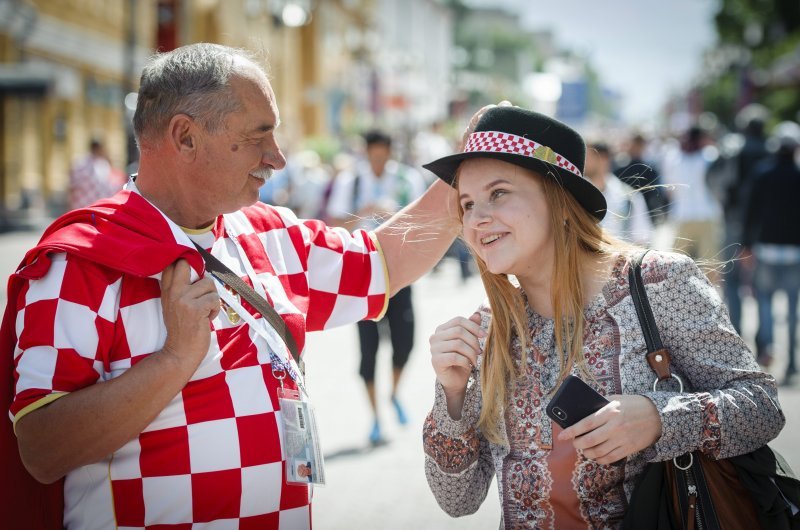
pixel 69 71
pixel 64 69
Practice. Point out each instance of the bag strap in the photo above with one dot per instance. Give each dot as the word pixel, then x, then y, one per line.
pixel 220 271
pixel 657 355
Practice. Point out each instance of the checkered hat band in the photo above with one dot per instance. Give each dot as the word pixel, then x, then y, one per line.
pixel 500 142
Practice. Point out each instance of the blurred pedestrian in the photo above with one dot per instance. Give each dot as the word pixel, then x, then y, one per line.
pixel 627 217
pixel 92 177
pixel 374 189
pixel 429 145
pixel 694 211
pixel 731 177
pixel 772 234
pixel 635 169
pixel 148 393
pixel 300 186
pixel 528 212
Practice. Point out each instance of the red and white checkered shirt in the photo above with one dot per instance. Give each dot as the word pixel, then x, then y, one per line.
pixel 214 453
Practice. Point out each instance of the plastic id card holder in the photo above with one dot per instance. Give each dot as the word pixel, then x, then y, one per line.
pixel 304 463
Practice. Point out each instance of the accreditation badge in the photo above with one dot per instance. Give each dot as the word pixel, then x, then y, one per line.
pixel 304 464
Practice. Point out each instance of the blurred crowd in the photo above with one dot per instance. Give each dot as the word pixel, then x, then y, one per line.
pixel 721 196
pixel 725 197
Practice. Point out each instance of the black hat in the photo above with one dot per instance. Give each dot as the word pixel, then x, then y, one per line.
pixel 533 141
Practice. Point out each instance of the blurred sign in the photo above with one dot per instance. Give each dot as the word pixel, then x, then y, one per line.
pixel 573 106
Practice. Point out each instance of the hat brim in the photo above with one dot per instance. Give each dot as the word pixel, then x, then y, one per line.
pixel 585 192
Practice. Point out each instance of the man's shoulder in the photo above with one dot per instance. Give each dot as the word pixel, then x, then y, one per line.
pixel 263 217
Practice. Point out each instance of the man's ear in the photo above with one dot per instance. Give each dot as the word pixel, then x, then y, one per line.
pixel 183 136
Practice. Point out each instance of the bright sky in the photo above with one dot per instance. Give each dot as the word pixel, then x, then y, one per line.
pixel 644 49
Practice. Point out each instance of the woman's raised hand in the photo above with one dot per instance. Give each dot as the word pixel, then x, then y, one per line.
pixel 454 353
pixel 476 118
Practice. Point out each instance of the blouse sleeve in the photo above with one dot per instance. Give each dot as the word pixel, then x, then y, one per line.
pixel 458 459
pixel 458 462
pixel 729 406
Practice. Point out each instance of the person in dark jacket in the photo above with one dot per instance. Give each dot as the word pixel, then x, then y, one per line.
pixel 772 237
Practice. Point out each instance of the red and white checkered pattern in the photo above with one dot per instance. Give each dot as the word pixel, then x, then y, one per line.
pixel 500 142
pixel 214 453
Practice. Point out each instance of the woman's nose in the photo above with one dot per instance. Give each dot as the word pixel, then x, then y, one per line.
pixel 479 215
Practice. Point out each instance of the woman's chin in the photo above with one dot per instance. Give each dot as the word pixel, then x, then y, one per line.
pixel 497 269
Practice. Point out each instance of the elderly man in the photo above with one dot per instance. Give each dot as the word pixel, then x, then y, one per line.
pixel 130 383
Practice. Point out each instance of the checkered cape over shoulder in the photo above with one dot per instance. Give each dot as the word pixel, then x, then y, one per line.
pixel 77 314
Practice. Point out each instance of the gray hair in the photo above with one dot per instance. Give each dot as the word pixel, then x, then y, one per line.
pixel 192 80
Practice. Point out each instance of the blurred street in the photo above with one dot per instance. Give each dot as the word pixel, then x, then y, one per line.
pixel 386 486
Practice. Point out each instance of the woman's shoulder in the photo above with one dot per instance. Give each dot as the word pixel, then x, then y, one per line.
pixel 659 264
pixel 657 267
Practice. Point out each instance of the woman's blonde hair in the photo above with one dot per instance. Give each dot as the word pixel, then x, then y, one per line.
pixel 576 234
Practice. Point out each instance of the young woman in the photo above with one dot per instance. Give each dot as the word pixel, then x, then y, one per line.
pixel 528 213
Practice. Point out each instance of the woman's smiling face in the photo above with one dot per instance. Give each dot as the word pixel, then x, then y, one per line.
pixel 506 216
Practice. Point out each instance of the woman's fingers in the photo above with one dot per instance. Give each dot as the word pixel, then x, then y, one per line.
pixel 456 347
pixel 452 360
pixel 471 324
pixel 625 426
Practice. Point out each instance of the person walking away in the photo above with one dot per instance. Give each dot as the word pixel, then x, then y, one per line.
pixel 694 211
pixel 731 179
pixel 377 187
pixel 772 239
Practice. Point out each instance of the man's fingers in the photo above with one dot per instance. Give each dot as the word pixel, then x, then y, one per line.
pixel 204 286
pixel 167 276
pixel 209 304
pixel 182 272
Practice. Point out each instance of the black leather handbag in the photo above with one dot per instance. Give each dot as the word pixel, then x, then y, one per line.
pixel 750 491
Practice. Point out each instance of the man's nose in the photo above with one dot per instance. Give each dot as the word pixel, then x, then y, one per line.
pixel 273 157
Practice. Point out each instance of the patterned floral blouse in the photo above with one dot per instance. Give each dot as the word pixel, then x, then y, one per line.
pixel 730 407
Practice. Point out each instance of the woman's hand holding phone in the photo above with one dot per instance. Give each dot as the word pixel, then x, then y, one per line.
pixel 628 424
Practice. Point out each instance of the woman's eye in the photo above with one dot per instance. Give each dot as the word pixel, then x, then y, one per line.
pixel 498 193
pixel 467 205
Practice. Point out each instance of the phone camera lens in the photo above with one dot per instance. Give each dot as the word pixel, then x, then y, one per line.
pixel 559 412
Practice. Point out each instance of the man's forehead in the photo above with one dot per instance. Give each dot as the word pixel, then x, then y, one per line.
pixel 256 95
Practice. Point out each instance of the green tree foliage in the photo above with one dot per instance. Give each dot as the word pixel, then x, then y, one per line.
pixel 760 39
